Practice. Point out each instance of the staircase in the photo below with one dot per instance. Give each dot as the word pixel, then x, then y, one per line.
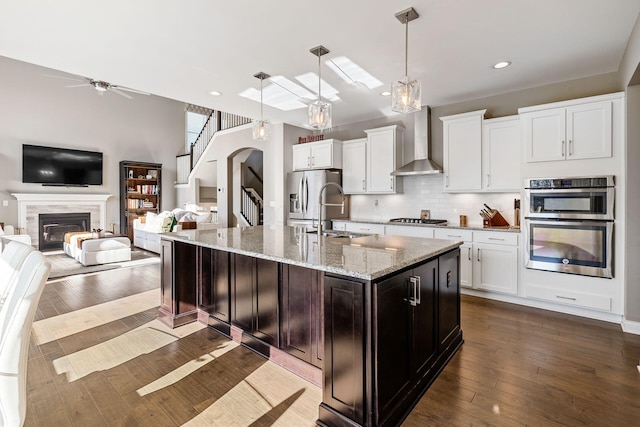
pixel 252 207
pixel 216 121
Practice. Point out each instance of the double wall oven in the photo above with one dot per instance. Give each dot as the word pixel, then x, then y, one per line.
pixel 569 225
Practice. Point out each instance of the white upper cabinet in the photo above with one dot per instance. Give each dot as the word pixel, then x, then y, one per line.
pixel 384 155
pixel 502 154
pixel 325 154
pixel 462 138
pixel 368 162
pixel 354 173
pixel 571 130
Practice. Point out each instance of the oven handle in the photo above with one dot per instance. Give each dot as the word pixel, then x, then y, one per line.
pixel 576 222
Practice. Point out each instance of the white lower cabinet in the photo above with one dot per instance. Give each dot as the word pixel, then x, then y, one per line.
pixel 488 260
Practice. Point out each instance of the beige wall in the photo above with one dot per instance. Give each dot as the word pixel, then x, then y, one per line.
pixel 40 110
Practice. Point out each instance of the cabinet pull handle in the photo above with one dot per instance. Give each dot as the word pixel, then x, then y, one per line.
pixel 568 298
pixel 454 235
pixel 313 160
pixel 495 238
pixel 488 180
pixel 365 229
pixel 469 253
pixel 364 187
pixel 446 180
pixel 414 300
pixel 309 161
pixel 391 184
pixel 478 254
pixel 571 147
pixel 563 147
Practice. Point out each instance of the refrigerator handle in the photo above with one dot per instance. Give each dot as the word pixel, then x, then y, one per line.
pixel 300 195
pixel 306 194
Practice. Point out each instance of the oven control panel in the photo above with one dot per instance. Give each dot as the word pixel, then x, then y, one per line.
pixel 581 182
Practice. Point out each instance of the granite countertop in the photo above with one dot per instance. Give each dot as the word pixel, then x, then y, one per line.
pixel 366 258
pixel 510 229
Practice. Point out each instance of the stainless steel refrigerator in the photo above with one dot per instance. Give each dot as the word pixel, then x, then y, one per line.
pixel 303 188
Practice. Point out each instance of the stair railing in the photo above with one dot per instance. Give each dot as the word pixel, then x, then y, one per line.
pixel 216 121
pixel 251 206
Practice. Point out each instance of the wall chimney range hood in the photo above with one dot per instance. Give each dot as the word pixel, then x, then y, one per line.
pixel 422 165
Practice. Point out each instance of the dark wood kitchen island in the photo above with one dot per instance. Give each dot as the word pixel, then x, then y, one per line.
pixel 372 319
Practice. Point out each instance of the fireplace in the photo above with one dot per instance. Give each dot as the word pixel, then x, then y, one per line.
pixel 52 228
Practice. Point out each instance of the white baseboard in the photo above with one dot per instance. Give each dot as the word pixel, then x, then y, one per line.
pixel 631 327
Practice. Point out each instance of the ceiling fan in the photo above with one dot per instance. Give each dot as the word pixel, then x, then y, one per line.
pixel 100 86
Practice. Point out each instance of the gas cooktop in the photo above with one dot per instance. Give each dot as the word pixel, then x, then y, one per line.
pixel 419 221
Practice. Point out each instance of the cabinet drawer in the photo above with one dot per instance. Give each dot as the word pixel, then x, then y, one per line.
pixel 338 225
pixel 496 238
pixel 453 234
pixel 361 227
pixel 407 230
pixel 599 302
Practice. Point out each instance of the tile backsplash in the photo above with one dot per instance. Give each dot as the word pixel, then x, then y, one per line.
pixel 426 192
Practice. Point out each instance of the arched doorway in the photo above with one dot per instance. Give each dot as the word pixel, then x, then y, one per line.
pixel 246 198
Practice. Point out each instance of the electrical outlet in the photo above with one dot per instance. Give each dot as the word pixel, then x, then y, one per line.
pixel 5 203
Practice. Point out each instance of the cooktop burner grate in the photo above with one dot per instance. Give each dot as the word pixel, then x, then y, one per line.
pixel 418 221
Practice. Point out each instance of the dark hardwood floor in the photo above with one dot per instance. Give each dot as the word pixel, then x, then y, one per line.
pixel 98 358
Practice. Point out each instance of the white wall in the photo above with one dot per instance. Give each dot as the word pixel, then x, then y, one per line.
pixel 40 110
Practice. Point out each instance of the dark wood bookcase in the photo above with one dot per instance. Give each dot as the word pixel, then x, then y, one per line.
pixel 140 192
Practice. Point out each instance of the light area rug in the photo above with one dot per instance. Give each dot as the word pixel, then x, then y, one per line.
pixel 63 265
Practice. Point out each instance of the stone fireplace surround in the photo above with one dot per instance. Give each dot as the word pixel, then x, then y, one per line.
pixel 30 205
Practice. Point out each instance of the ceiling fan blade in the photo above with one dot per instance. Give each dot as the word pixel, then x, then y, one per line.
pixel 129 90
pixel 120 93
pixel 83 84
pixel 63 77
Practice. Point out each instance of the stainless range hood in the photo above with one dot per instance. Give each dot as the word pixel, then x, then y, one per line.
pixel 422 165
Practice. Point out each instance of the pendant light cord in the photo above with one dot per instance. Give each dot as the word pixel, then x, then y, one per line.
pixel 406 45
pixel 261 111
pixel 319 77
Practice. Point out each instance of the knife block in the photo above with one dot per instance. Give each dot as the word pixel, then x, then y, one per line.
pixel 496 220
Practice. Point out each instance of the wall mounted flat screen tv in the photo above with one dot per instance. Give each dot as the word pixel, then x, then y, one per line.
pixel 60 166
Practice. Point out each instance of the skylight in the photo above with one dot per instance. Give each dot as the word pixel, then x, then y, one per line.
pixel 310 80
pixel 282 94
pixel 352 73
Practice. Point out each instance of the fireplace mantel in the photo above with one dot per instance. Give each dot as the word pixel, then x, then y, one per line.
pixel 32 204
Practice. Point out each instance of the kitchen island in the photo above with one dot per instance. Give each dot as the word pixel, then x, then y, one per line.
pixel 371 319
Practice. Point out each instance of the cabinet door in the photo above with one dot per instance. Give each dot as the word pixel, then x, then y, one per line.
pixel 322 155
pixel 589 131
pixel 344 387
pixel 466 265
pixel 544 133
pixel 501 155
pixel 354 155
pixel 242 291
pixel 462 153
pixel 301 157
pixel 381 161
pixel 266 302
pixel 214 283
pixel 496 268
pixel 393 340
pixel 185 277
pixel 424 341
pixel 449 298
pixel 296 318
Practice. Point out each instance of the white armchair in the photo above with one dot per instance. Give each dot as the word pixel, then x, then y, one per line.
pixel 16 317
pixel 7 233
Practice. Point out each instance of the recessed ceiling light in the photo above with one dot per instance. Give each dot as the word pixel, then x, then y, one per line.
pixel 215 93
pixel 385 93
pixel 502 64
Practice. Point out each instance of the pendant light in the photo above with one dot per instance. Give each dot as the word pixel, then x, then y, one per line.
pixel 405 94
pixel 319 112
pixel 261 129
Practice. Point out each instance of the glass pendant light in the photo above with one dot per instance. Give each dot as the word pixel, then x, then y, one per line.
pixel 405 93
pixel 261 129
pixel 319 112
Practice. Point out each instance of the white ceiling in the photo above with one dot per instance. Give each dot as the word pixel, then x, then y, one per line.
pixel 184 49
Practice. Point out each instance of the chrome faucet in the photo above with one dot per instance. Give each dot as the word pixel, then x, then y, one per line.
pixel 320 204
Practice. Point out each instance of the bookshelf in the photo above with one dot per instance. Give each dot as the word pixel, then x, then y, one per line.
pixel 140 192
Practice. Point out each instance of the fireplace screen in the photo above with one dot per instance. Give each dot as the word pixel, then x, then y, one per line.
pixel 54 226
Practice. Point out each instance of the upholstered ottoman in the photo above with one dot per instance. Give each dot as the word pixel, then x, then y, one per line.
pixel 104 250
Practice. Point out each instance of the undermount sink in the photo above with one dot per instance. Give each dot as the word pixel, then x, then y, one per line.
pixel 343 234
